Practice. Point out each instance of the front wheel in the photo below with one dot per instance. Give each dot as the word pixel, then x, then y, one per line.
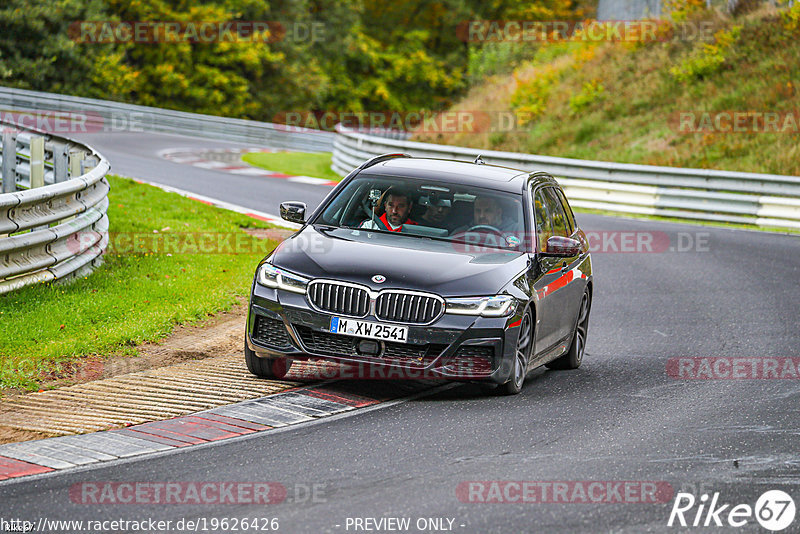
pixel 521 357
pixel 266 367
pixel 574 356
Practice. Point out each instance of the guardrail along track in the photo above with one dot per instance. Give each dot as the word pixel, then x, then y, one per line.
pixel 700 194
pixel 53 204
pixel 90 115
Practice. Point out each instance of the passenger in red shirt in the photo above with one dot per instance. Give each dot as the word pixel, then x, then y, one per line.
pixel 394 209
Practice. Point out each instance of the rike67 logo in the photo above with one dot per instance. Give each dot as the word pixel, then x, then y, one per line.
pixel 774 510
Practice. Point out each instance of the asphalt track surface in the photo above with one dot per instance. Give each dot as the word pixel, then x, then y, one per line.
pixel 620 417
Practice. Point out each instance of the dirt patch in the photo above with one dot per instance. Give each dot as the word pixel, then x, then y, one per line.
pixel 13 435
pixel 220 333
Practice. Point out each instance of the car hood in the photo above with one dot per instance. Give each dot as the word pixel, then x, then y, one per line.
pixel 406 262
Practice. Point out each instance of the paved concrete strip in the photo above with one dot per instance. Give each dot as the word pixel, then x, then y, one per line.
pixel 148 395
pixel 48 449
pixel 187 426
pixel 353 400
pixel 297 414
pixel 136 432
pixel 301 400
pixel 220 423
pixel 217 425
pixel 250 171
pixel 120 445
pixel 260 413
pixel 10 468
pixel 31 457
pixel 158 432
pixel 231 421
pixel 69 444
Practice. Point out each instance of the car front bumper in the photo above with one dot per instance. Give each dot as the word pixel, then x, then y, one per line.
pixel 282 324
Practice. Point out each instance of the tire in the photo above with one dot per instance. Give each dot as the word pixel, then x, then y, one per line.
pixel 574 356
pixel 521 357
pixel 266 367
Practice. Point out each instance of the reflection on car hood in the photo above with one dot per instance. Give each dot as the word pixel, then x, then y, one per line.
pixel 406 262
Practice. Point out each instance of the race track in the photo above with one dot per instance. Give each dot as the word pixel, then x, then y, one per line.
pixel 625 415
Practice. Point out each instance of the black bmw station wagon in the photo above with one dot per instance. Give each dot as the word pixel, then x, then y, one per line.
pixel 463 271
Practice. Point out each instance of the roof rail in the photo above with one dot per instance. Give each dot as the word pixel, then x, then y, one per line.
pixel 383 157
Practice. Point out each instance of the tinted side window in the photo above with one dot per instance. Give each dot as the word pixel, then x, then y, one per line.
pixel 557 217
pixel 567 211
pixel 543 227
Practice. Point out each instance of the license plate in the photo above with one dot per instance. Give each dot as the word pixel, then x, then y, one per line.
pixel 386 332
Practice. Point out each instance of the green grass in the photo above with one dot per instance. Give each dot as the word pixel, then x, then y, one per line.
pixel 314 164
pixel 138 294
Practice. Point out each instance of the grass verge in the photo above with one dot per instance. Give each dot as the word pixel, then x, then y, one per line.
pixel 314 164
pixel 170 260
pixel 657 102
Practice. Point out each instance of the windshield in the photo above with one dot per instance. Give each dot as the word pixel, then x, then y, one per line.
pixel 429 209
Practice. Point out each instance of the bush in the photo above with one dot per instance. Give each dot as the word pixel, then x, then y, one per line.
pixel 496 58
pixel 530 98
pixel 791 19
pixel 591 92
pixel 707 58
pixel 681 10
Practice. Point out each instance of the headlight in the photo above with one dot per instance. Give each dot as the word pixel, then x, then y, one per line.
pixel 497 306
pixel 271 276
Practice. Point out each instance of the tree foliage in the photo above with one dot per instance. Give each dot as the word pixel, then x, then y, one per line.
pixel 367 55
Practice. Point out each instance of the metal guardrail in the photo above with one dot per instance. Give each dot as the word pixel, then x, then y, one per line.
pixel 53 221
pixel 106 116
pixel 699 194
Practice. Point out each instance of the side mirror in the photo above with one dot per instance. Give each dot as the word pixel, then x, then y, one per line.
pixel 563 246
pixel 294 212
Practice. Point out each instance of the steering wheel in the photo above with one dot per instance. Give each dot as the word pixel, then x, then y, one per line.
pixel 485 228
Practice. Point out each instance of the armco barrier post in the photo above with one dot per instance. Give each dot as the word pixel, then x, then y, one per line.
pixel 76 162
pixel 60 163
pixel 37 161
pixel 9 163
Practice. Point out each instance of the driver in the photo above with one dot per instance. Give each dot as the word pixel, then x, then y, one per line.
pixel 487 211
pixel 394 208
